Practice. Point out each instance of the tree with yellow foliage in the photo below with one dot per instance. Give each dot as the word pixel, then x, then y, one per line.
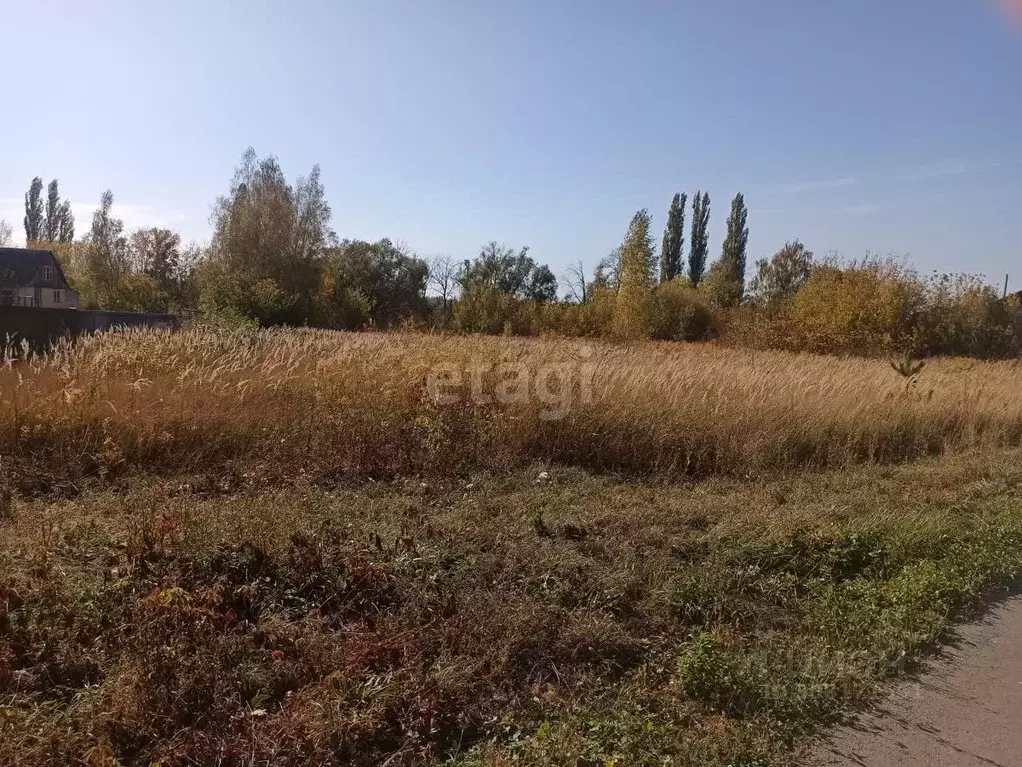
pixel 632 314
pixel 863 307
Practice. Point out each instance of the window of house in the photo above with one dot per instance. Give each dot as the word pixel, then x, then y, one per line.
pixel 47 272
pixel 56 296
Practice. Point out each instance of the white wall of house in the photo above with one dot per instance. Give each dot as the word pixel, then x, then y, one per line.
pixel 43 298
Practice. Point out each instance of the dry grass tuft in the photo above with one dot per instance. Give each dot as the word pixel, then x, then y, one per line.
pixel 330 404
pixel 6 494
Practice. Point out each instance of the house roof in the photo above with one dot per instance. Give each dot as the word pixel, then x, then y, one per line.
pixel 23 267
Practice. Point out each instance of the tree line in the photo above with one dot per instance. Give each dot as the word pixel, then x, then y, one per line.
pixel 274 259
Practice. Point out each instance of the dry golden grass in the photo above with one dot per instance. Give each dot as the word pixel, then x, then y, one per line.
pixel 334 403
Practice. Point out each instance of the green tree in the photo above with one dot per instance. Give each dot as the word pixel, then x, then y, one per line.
pixel 680 313
pixel 269 240
pixel 483 309
pixel 778 280
pixel 513 273
pixel 106 254
pixel 51 225
pixel 700 240
pixel 674 240
pixel 374 283
pixel 542 287
pixel 718 286
pixel 66 227
pixel 59 223
pixel 139 293
pixel 501 290
pixel 632 315
pixel 733 255
pixel 34 211
pixel 156 253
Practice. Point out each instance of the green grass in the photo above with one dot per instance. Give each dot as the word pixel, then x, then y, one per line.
pixel 501 619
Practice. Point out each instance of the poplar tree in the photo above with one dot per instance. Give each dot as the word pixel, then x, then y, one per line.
pixel 674 240
pixel 700 237
pixel 66 225
pixel 51 225
pixel 34 211
pixel 733 254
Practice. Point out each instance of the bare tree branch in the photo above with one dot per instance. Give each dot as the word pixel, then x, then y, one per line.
pixel 443 276
pixel 575 279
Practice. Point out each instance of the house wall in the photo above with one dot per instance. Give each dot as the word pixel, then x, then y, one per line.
pixel 46 298
pixel 17 297
pixel 59 299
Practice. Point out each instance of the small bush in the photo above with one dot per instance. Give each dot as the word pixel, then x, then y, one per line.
pixel 680 313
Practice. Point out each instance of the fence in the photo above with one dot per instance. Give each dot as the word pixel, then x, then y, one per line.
pixel 41 327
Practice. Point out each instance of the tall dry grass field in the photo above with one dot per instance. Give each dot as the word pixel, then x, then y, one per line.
pixel 329 404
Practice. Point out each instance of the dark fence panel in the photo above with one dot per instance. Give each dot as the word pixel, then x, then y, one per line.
pixel 41 327
pixel 101 319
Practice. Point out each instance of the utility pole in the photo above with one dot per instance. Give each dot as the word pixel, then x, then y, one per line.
pixel 1005 288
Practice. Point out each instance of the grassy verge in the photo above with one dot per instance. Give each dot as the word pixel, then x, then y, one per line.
pixel 539 617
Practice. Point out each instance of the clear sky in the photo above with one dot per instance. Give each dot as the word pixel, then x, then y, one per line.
pixel 883 125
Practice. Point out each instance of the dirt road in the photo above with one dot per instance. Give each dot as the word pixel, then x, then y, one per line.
pixel 965 710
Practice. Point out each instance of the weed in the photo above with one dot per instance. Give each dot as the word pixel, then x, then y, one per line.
pixel 906 366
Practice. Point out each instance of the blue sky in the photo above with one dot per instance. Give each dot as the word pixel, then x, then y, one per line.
pixel 883 125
